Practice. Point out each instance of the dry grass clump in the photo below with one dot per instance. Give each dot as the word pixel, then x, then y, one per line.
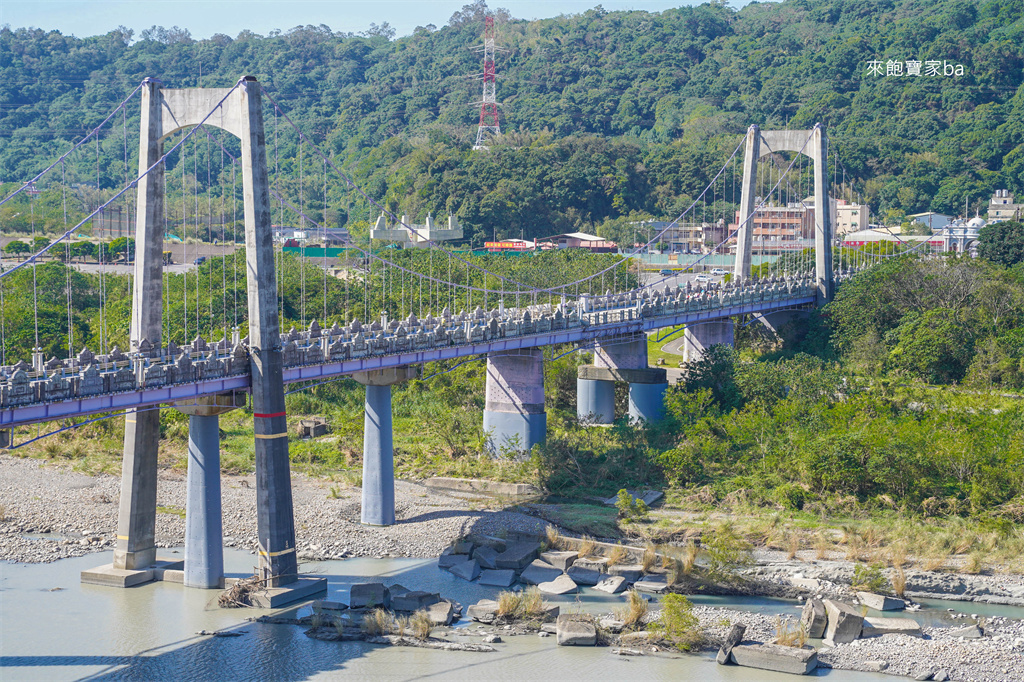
pixel 821 546
pixel 616 554
pixel 632 614
pixel 516 605
pixel 974 563
pixel 935 561
pixel 792 545
pixel 788 633
pixel 587 546
pixel 898 580
pixel 554 538
pixel 650 556
pixel 378 622
pixel 420 626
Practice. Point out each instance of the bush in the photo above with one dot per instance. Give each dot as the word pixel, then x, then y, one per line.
pixel 630 508
pixel 868 578
pixel 726 553
pixel 678 623
pixel 791 496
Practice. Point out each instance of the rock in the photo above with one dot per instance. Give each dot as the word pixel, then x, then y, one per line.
pixel 551 612
pixel 812 584
pixel 492 639
pixel 880 602
pixel 462 547
pixel 940 676
pixel 573 630
pixel 611 624
pixel 397 590
pixel 873 627
pixel 446 561
pixel 487 557
pixel 518 555
pixel 502 578
pixel 325 605
pixel 734 637
pixel 631 572
pixel 656 583
pixel 550 628
pixel 563 584
pixel 814 619
pixel 783 659
pixel 598 563
pixel 484 611
pixel 369 595
pixel 612 584
pixel 844 622
pixel 467 570
pixel 560 560
pixel 441 612
pixel 539 572
pixel 543 634
pixel 925 675
pixel 414 601
pixel 584 576
pixel 969 632
pixel 875 666
pixel 497 544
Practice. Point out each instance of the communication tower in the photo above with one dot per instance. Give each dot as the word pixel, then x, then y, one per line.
pixel 489 125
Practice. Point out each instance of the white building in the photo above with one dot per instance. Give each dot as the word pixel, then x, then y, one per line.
pixel 415 236
pixel 961 236
pixel 934 221
pixel 850 217
pixel 1001 207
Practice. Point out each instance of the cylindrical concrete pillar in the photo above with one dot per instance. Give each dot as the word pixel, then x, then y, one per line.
pixel 595 401
pixel 204 542
pixel 378 460
pixel 647 401
pixel 697 338
pixel 514 414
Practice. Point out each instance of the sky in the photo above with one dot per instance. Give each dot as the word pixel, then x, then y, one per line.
pixel 203 18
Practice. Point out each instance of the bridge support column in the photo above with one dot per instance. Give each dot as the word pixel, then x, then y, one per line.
pixel 595 397
pixel 697 338
pixel 378 453
pixel 514 413
pixel 620 359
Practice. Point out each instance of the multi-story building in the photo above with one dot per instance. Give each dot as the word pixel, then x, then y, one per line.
pixel 850 217
pixel 1002 207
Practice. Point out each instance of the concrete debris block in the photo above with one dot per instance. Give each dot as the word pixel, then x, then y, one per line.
pixel 551 612
pixel 598 563
pixel 446 561
pixel 969 632
pixel 368 596
pixel 467 570
pixel 397 590
pixel 611 624
pixel 925 674
pixel 775 657
pixel 876 666
pixel 560 560
pixel 484 611
pixel 549 628
pixel 844 622
pixel 479 540
pixel 734 637
pixel 312 428
pixel 941 676
pixel 880 602
pixel 502 578
pixel 487 557
pixel 323 605
pixel 539 572
pixel 414 601
pixel 814 619
pixel 518 556
pixel 631 572
pixel 462 547
pixel 656 583
pixel 574 630
pixel 811 584
pixel 563 584
pixel 613 584
pixel 492 639
pixel 584 576
pixel 874 627
pixel 441 613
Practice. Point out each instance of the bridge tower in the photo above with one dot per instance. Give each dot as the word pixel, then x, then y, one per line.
pixel 238 111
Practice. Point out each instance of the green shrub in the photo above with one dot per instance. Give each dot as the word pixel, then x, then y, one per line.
pixel 630 508
pixel 791 496
pixel 678 623
pixel 868 578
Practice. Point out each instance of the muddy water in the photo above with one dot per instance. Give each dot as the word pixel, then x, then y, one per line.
pixel 54 628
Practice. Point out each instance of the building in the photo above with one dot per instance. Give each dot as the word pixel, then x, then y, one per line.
pixel 415 236
pixel 873 236
pixel 513 245
pixel 934 221
pixel 283 234
pixel 850 217
pixel 961 236
pixel 1001 207
pixel 582 240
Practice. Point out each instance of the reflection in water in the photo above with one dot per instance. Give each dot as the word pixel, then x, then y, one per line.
pixel 148 633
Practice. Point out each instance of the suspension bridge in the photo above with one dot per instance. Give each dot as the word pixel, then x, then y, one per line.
pixel 509 323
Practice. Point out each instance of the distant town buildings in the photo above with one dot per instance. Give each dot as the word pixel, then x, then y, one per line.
pixel 582 240
pixel 849 217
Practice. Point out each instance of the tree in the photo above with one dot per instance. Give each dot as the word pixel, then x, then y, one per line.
pixel 1002 243
pixel 933 346
pixel 17 247
pixel 83 250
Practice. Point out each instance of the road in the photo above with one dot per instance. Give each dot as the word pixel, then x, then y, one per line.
pixel 675 280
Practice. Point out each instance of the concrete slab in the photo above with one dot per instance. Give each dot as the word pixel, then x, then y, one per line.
pixel 500 578
pixel 303 588
pixel 467 570
pixel 329 606
pixel 880 602
pixel 656 583
pixel 584 576
pixel 487 557
pixel 369 595
pixel 775 657
pixel 844 622
pixel 875 626
pixel 613 584
pixel 594 563
pixel 814 619
pixel 572 630
pixel 631 572
pixel 560 560
pixel 108 576
pixel 518 556
pixel 539 572
pixel 414 601
pixel 563 584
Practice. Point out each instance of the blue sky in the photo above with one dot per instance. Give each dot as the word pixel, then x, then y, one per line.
pixel 203 18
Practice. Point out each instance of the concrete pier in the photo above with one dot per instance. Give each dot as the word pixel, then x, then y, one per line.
pixel 595 397
pixel 514 414
pixel 697 338
pixel 204 537
pixel 622 359
pixel 378 452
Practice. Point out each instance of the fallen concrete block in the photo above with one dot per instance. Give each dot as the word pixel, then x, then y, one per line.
pixel 539 572
pixel 584 576
pixel 323 605
pixel 874 627
pixel 775 657
pixel 563 584
pixel 573 630
pixel 879 602
pixel 518 556
pixel 876 666
pixel 969 632
pixel 498 578
pixel 844 622
pixel 812 584
pixel 441 613
pixel 484 611
pixel 734 637
pixel 656 583
pixel 613 584
pixel 446 561
pixel 631 572
pixel 414 601
pixel 462 547
pixel 467 570
pixel 487 557
pixel 560 560
pixel 369 595
pixel 597 563
pixel 397 590
pixel 814 618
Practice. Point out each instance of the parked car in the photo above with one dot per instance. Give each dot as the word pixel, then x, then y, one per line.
pixel 717 271
pixel 667 272
pixel 200 260
pixel 703 278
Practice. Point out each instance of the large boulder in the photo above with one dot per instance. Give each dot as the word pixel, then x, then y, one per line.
pixel 560 560
pixel 734 637
pixel 467 570
pixel 441 613
pixel 484 611
pixel 414 601
pixel 575 630
pixel 879 602
pixel 874 627
pixel 844 622
pixel 369 595
pixel 487 557
pixel 775 657
pixel 563 584
pixel 613 584
pixel 539 572
pixel 969 632
pixel 631 572
pixel 518 555
pixel 502 578
pixel 814 619
pixel 584 576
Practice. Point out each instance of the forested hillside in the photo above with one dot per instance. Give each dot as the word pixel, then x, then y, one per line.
pixel 608 114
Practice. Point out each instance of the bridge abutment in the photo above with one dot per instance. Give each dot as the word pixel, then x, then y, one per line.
pixel 623 359
pixel 378 508
pixel 514 414
pixel 697 338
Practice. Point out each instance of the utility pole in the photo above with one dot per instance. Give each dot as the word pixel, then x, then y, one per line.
pixel 489 126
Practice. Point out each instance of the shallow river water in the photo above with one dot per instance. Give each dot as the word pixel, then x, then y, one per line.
pixel 55 628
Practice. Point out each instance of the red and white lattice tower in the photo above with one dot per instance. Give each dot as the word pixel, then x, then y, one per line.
pixel 489 125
